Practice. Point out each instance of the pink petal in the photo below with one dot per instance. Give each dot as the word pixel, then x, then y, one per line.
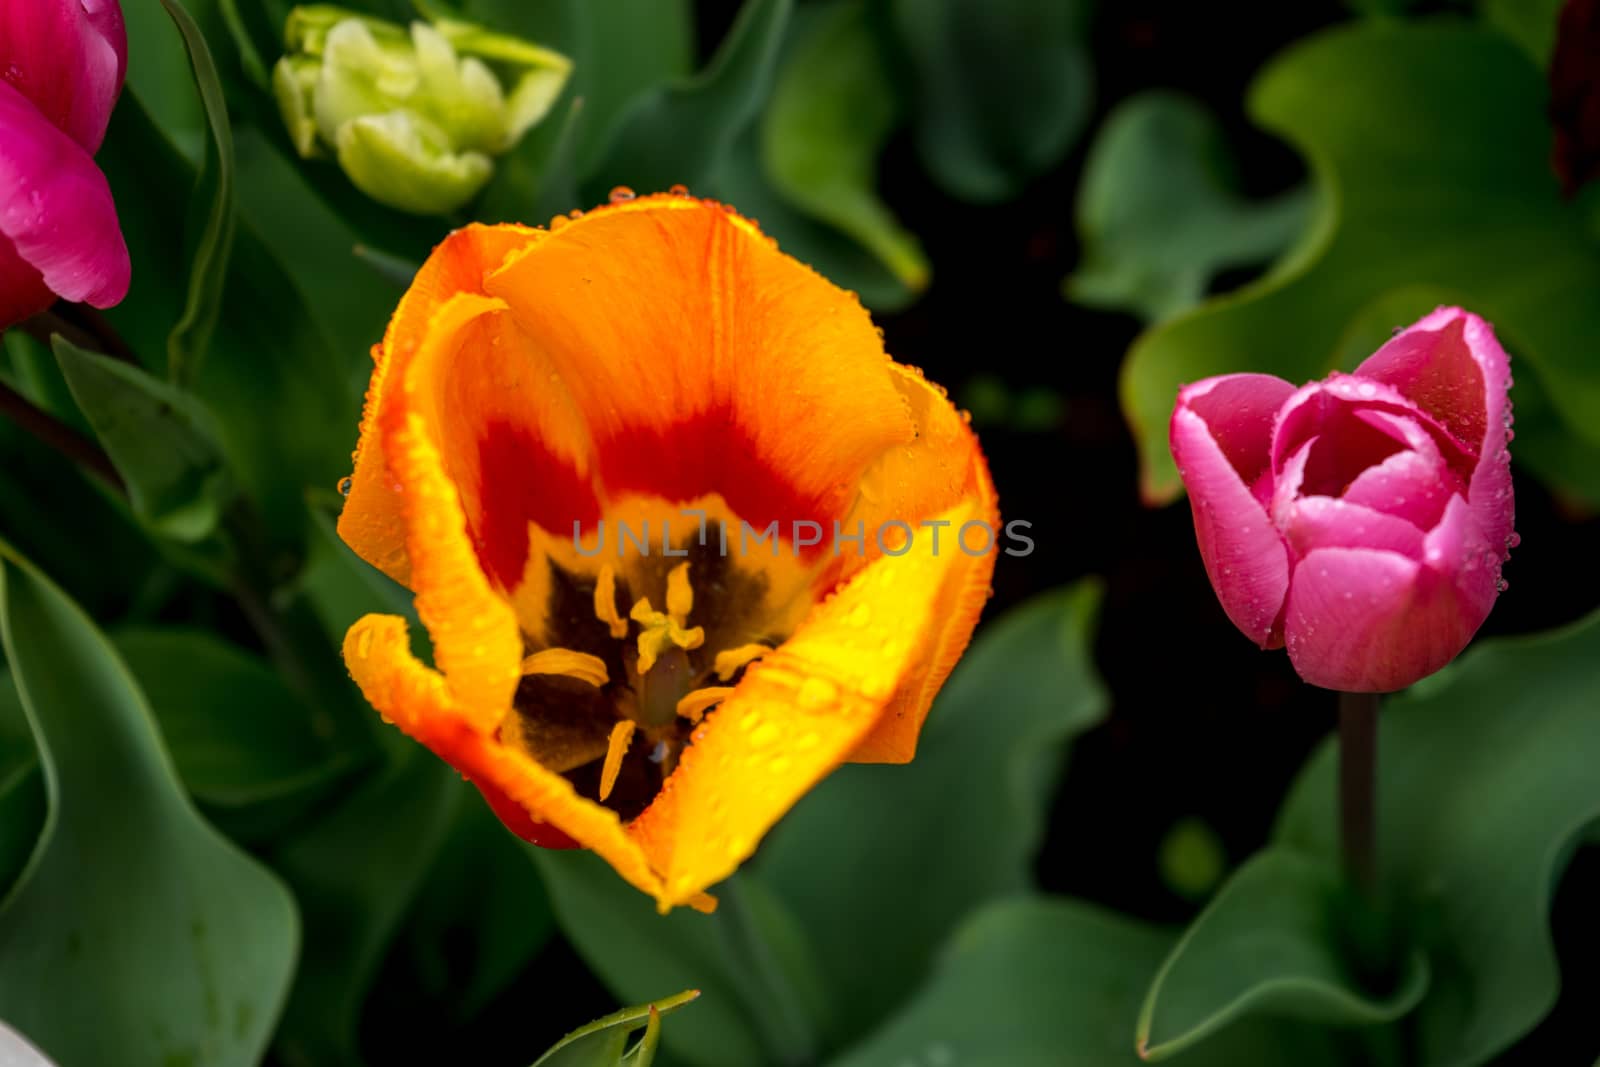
pixel 56 208
pixel 1314 522
pixel 23 293
pixel 1368 620
pixel 1451 363
pixel 1239 410
pixel 1245 558
pixel 69 58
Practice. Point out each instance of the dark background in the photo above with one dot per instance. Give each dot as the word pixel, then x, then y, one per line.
pixel 1202 723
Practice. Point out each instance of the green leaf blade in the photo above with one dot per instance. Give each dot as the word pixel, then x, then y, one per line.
pixel 957 826
pixel 167 886
pixel 161 441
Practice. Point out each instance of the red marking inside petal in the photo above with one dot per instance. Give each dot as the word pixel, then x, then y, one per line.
pixel 523 482
pixel 709 453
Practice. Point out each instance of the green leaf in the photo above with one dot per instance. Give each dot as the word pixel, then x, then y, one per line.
pixel 1158 216
pixel 283 397
pixel 1273 943
pixel 1001 88
pixel 1453 189
pixel 190 336
pixel 22 797
pixel 1530 23
pixel 238 734
pixel 743 182
pixel 480 916
pixel 355 873
pixel 162 441
pixel 179 947
pixel 600 1043
pixel 957 826
pixel 1055 983
pixel 832 110
pixel 633 950
pixel 1486 783
pixel 679 134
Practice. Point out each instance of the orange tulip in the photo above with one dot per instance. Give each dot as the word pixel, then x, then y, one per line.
pixel 543 397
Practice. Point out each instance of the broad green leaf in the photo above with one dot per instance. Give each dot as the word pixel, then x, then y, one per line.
pixel 105 557
pixel 1530 23
pixel 957 826
pixel 1000 88
pixel 742 181
pixel 1486 782
pixel 1273 942
pixel 317 248
pixel 680 134
pixel 161 440
pixel 22 798
pixel 479 917
pixel 600 1043
pixel 283 398
pixel 1452 189
pixel 1034 982
pixel 1158 215
pixel 355 872
pixel 191 335
pixel 179 946
pixel 832 109
pixel 238 734
pixel 633 950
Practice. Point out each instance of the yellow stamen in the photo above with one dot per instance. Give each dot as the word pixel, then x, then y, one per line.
pixel 729 661
pixel 660 630
pixel 694 704
pixel 680 594
pixel 564 661
pixel 605 602
pixel 621 738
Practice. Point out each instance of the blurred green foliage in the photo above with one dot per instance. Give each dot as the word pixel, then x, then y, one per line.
pixel 211 847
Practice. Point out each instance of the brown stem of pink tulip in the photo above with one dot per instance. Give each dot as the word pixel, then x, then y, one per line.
pixel 1358 786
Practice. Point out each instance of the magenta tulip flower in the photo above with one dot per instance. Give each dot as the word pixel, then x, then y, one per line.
pixel 1361 520
pixel 61 68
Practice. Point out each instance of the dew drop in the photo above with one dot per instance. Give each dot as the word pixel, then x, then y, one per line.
pixel 558 221
pixel 344 486
pixel 678 190
pixel 1514 540
pixel 621 194
pixel 1502 585
pixel 816 693
pixel 765 734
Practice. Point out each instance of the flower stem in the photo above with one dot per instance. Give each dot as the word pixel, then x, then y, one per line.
pixel 1358 786
pixel 57 435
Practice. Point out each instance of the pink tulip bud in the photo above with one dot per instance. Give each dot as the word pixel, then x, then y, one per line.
pixel 1361 520
pixel 61 68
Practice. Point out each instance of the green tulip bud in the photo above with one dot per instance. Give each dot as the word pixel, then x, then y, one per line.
pixel 413 115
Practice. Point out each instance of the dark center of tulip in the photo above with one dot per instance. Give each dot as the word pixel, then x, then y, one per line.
pixel 612 698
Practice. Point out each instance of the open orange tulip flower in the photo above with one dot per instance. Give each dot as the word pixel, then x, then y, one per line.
pixel 684 536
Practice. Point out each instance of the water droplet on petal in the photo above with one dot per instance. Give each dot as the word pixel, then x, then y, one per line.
pixel 344 486
pixel 678 190
pixel 558 221
pixel 621 194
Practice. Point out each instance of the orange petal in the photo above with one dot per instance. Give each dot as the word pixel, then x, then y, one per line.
pixel 706 361
pixel 943 468
pixel 370 522
pixel 421 703
pixel 796 715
